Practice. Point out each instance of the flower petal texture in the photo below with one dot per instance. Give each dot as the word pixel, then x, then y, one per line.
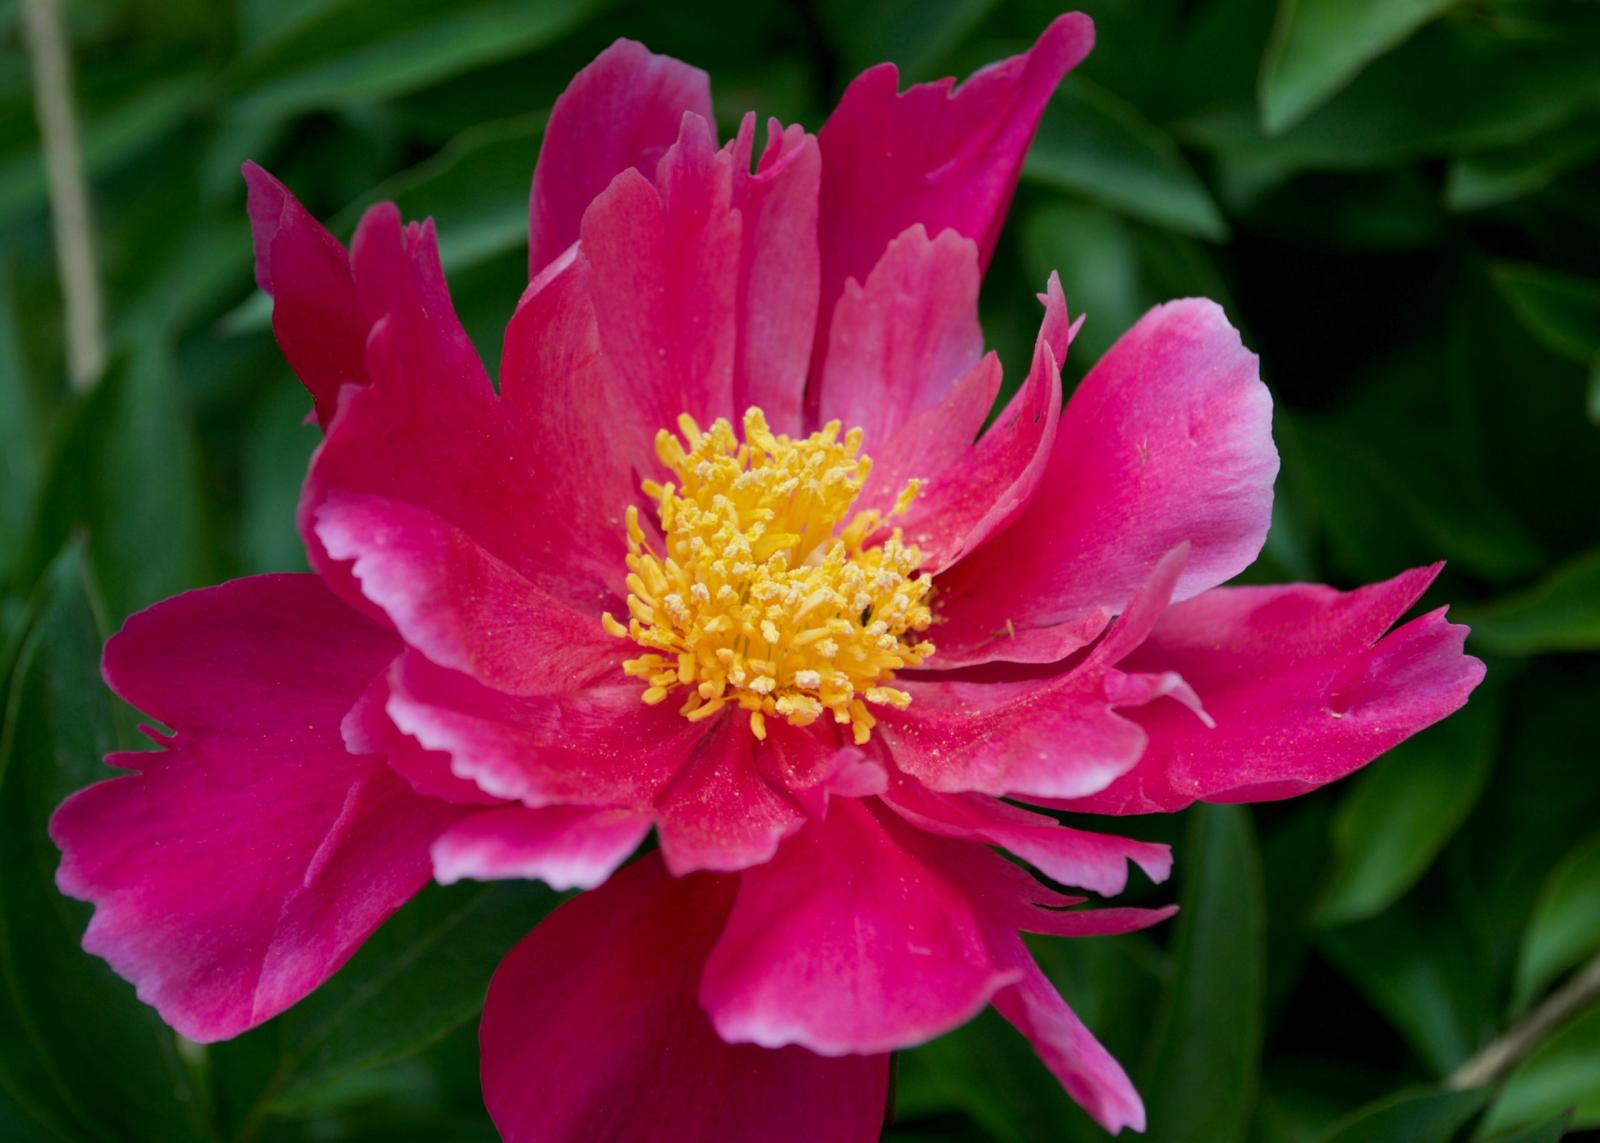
pixel 620 964
pixel 247 859
pixel 737 559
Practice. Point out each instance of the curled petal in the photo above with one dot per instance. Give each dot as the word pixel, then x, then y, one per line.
pixel 1303 687
pixel 566 847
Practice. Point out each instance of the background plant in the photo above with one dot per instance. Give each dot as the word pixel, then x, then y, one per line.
pixel 1395 199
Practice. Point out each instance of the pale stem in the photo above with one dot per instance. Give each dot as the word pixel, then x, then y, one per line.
pixel 69 197
pixel 1503 1053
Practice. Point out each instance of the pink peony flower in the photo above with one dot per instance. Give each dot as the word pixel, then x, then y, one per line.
pixel 654 583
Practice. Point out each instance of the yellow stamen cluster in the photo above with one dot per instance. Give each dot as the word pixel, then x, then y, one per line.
pixel 766 597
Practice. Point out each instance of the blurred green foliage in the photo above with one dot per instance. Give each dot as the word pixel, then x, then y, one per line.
pixel 1396 200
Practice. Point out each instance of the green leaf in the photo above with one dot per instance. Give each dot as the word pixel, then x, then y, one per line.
pixel 1485 178
pixel 81 1058
pixel 1097 257
pixel 361 53
pixel 1092 143
pixel 1201 1075
pixel 1552 1130
pixel 277 453
pixel 137 111
pixel 126 471
pixel 1403 808
pixel 1562 311
pixel 475 190
pixel 1426 98
pixel 1565 927
pixel 1419 965
pixel 422 975
pixel 917 35
pixel 1411 1117
pixel 19 432
pixel 1559 613
pixel 1318 46
pixel 1558 1075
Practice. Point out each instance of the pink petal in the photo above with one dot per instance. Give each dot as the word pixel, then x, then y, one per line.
pixel 591 1031
pixel 848 942
pixel 457 603
pixel 719 813
pixel 1087 1071
pixel 318 323
pixel 1031 737
pixel 1168 439
pixel 779 270
pixel 580 441
pixel 901 339
pixel 430 432
pixel 620 112
pixel 367 729
pixel 246 860
pixel 1098 862
pixel 597 746
pixel 982 487
pixel 1303 686
pixel 930 155
pixel 567 847
pixel 664 274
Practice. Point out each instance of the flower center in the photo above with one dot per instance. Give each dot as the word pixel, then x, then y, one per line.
pixel 765 596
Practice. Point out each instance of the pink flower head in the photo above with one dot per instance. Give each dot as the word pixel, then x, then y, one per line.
pixel 653 582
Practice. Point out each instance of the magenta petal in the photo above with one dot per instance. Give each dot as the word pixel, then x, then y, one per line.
pixel 367 729
pixel 1087 1071
pixel 985 485
pixel 1303 687
pixel 579 441
pixel 1168 439
pixel 248 859
pixel 779 270
pixel 719 813
pixel 315 316
pixel 457 603
pixel 901 338
pixel 567 847
pixel 930 155
pixel 621 111
pixel 591 1031
pixel 847 941
pixel 430 431
pixel 1028 737
pixel 664 274
pixel 1098 862
pixel 596 746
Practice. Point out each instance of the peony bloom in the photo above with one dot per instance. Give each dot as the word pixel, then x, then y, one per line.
pixel 729 556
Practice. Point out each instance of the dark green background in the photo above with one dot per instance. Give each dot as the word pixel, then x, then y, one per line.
pixel 1395 200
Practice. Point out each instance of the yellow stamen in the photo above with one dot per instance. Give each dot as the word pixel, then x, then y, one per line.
pixel 768 595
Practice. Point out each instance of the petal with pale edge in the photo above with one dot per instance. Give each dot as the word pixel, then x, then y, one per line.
pixel 1302 683
pixel 598 745
pixel 591 1031
pixel 1167 440
pixel 566 847
pixel 247 859
pixel 457 603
